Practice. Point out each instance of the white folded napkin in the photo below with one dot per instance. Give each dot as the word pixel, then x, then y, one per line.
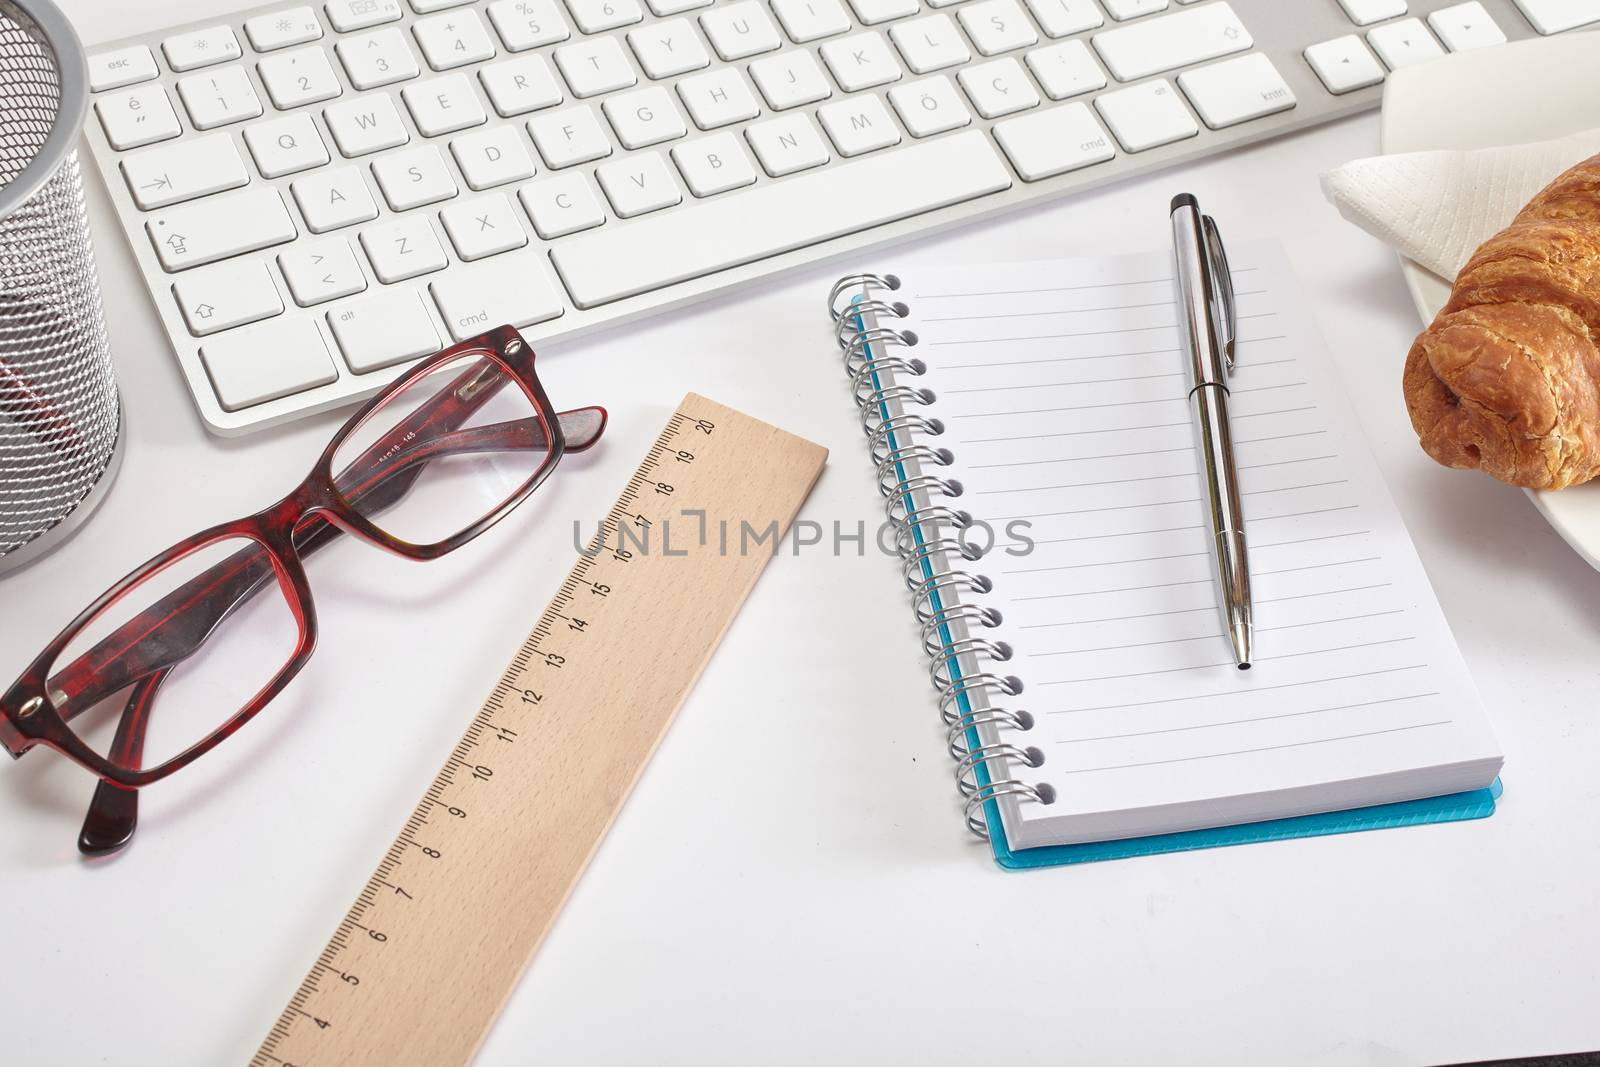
pixel 1436 208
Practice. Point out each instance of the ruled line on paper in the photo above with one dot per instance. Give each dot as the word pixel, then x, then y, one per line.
pixel 1146 452
pixel 1081 311
pixel 1080 333
pixel 1149 478
pixel 1179 529
pixel 1195 581
pixel 1235 272
pixel 1192 611
pixel 1229 693
pixel 1219 635
pixel 1241 722
pixel 1162 503
pixel 1109 355
pixel 1226 663
pixel 1250 751
pixel 1177 399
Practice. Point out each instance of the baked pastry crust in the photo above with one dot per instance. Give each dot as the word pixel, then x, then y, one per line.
pixel 1507 378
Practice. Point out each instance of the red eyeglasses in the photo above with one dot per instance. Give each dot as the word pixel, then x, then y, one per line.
pixel 133 689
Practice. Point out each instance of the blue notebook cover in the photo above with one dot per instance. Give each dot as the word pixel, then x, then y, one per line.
pixel 1477 804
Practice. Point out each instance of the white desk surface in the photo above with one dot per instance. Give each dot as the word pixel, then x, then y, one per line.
pixel 790 882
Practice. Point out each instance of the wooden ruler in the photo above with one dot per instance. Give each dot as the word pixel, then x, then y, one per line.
pixel 423 961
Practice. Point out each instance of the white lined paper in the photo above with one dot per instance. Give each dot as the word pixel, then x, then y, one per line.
pixel 1062 389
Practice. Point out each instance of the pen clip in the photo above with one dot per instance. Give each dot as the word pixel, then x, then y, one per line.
pixel 1222 285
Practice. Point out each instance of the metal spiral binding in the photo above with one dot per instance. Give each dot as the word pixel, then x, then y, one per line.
pixel 927 537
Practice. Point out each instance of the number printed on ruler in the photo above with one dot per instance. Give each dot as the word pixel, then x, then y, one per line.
pixel 419 966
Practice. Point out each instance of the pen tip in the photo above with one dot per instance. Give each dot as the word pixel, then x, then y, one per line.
pixel 1244 666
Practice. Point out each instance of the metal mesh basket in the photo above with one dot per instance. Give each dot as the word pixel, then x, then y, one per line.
pixel 60 418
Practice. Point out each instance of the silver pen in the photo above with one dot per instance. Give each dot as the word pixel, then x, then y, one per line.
pixel 1205 293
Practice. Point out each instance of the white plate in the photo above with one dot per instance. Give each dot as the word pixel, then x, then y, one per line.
pixel 1514 94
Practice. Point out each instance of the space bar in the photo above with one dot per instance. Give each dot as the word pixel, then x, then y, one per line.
pixel 625 260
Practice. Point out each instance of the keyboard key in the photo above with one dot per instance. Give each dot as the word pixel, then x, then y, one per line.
pixel 997 26
pixel 1054 141
pixel 561 205
pixel 1060 18
pixel 1558 16
pixel 861 62
pixel 788 144
pixel 713 164
pixel 375 59
pixel 740 30
pixel 998 88
pixel 811 20
pixel 644 118
pixel 859 125
pixel 1465 27
pixel 413 178
pixel 525 24
pixel 612 263
pixel 381 330
pixel 369 124
pixel 428 7
pixel 274 360
pixel 668 48
pixel 453 40
pixel 403 249
pixel 663 8
pixel 790 79
pixel 595 66
pixel 227 295
pixel 1145 116
pixel 871 12
pixel 443 105
pixel 334 198
pixel 1178 40
pixel 568 137
pixel 929 106
pixel 638 183
pixel 1344 64
pixel 137 117
pixel 286 145
pixel 492 157
pixel 220 226
pixel 1366 12
pixel 1236 90
pixel 280 29
pixel 718 98
pixel 521 85
pixel 347 15
pixel 930 44
pixel 303 76
pixel 1122 10
pixel 201 48
pixel 597 16
pixel 518 291
pixel 124 66
pixel 483 227
pixel 172 174
pixel 220 98
pixel 1404 44
pixel 1066 69
pixel 320 271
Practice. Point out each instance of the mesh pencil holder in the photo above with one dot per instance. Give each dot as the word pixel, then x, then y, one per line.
pixel 60 417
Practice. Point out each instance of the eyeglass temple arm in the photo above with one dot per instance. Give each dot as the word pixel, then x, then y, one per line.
pixel 113 813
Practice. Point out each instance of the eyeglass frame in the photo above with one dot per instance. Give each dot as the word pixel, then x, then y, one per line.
pixel 29 715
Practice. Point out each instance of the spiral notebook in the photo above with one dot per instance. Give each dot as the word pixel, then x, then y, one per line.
pixel 1033 444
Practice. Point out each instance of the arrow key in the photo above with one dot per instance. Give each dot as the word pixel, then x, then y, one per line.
pixel 174 173
pixel 1344 64
pixel 225 296
pixel 319 271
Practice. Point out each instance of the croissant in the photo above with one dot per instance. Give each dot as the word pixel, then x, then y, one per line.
pixel 1507 378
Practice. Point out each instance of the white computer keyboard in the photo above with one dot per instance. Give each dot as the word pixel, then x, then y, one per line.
pixel 320 194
